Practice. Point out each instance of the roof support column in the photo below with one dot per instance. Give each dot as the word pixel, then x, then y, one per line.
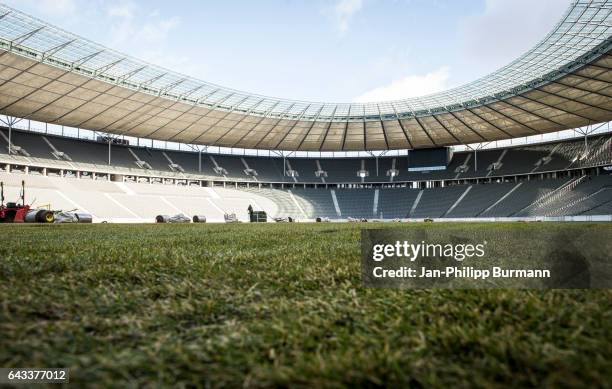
pixel 10 122
pixel 588 130
pixel 479 146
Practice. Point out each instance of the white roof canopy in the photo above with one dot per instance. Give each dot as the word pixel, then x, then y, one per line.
pixel 50 75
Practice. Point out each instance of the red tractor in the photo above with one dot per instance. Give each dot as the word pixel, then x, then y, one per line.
pixel 21 213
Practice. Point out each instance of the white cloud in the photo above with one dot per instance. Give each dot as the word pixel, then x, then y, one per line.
pixel 121 10
pixel 343 12
pixel 143 33
pixel 131 25
pixel 61 7
pixel 507 29
pixel 409 86
pixel 157 31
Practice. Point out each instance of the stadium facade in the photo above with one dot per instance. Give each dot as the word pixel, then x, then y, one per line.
pixel 52 76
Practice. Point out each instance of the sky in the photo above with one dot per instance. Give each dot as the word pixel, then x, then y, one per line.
pixel 314 50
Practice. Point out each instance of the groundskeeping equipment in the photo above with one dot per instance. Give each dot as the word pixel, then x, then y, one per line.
pixel 257 216
pixel 21 212
pixel 199 219
pixel 230 218
pixel 72 217
pixel 39 216
pixel 13 212
pixel 180 218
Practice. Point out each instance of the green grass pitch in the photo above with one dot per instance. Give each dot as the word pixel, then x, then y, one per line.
pixel 276 305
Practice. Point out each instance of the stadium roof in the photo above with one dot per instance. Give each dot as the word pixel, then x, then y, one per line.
pixel 50 75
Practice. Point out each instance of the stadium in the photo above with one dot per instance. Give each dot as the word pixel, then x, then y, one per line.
pixel 148 295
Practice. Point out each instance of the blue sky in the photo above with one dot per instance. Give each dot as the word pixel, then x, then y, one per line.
pixel 318 50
